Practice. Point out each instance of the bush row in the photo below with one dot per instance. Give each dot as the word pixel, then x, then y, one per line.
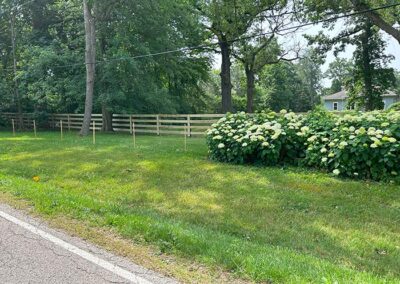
pixel 358 145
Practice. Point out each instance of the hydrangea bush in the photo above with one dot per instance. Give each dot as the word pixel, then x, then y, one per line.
pixel 357 145
pixel 265 138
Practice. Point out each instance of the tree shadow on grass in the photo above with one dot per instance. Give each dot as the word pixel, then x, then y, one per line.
pixel 355 224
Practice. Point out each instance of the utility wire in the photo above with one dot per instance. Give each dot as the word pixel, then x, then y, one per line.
pixel 185 49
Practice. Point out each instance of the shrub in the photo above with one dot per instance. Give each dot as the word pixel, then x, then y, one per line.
pixel 395 107
pixel 265 138
pixel 358 145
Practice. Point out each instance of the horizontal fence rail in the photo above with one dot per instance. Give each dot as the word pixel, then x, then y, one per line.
pixel 160 124
pixel 26 119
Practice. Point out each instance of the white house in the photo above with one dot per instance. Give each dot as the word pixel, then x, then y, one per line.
pixel 338 101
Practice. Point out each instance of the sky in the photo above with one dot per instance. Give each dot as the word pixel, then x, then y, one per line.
pixel 393 47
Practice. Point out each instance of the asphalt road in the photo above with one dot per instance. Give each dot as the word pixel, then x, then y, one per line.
pixel 31 252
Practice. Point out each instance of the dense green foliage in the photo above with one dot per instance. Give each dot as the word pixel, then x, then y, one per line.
pixel 369 76
pixel 50 54
pixel 357 145
pixel 246 37
pixel 261 224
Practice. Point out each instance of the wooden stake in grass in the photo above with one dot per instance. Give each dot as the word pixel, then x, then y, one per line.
pixel 134 135
pixel 61 129
pixel 13 126
pixel 34 127
pixel 185 135
pixel 94 132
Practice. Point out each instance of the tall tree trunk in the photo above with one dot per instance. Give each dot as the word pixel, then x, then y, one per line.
pixel 90 62
pixel 107 125
pixel 370 101
pixel 226 85
pixel 377 19
pixel 107 119
pixel 16 86
pixel 250 84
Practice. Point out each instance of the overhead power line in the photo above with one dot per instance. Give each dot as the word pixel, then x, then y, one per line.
pixel 252 36
pixel 203 46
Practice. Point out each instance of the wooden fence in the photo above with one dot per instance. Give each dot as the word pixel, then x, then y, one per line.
pixel 26 118
pixel 160 124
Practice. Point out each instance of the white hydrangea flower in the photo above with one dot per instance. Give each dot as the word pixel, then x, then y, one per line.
pixel 265 144
pixel 305 129
pixel 218 137
pixel 336 172
pixel 244 144
pixel 312 138
pixel 324 150
pixel 221 145
pixel 324 159
pixel 343 144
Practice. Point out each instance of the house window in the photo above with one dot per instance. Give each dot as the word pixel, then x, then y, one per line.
pixel 335 105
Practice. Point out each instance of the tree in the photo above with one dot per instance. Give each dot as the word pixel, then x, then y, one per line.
pixel 291 86
pixel 309 72
pixel 370 75
pixel 260 46
pixel 385 19
pixel 90 62
pixel 228 21
pixel 14 56
pixel 338 72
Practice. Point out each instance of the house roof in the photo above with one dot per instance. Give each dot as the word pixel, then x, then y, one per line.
pixel 336 96
pixel 342 95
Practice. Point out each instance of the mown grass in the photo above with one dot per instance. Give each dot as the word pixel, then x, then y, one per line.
pixel 262 224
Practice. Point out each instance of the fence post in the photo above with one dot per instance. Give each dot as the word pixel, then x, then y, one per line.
pixel 61 129
pixel 189 126
pixel 130 124
pixel 134 135
pixel 158 124
pixel 69 123
pixel 185 135
pixel 94 132
pixel 34 127
pixel 13 126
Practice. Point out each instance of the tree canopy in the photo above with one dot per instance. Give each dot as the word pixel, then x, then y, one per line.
pixel 155 56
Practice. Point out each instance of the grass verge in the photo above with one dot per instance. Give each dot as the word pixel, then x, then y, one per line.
pixel 260 224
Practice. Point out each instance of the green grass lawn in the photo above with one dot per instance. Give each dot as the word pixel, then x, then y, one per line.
pixel 262 224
